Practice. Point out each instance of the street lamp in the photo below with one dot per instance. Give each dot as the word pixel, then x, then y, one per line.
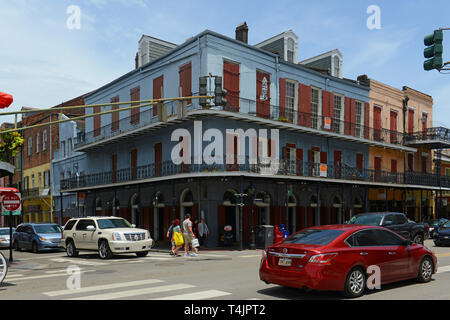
pixel 251 192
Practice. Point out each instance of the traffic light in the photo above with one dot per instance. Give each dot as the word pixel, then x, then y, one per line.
pixel 219 93
pixel 203 91
pixel 434 50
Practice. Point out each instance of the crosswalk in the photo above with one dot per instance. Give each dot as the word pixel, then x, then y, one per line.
pixel 149 289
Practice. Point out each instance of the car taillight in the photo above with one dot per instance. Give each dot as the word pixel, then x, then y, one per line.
pixel 322 258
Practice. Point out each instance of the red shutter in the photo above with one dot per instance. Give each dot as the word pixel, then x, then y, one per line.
pixel 185 75
pixel 410 121
pixel 393 128
pixel 97 121
pixel 359 161
pixel 262 106
pixel 282 97
pixel 114 168
pixel 393 166
pixel 115 115
pixel 158 85
pixel 157 150
pixel 323 157
pixel 299 156
pixel 304 105
pixel 366 120
pixel 327 107
pixel 337 163
pixel 133 161
pixel 347 116
pixel 231 84
pixel 135 95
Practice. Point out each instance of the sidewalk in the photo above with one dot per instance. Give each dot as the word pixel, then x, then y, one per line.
pixel 163 246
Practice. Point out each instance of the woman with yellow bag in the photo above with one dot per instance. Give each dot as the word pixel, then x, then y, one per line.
pixel 177 237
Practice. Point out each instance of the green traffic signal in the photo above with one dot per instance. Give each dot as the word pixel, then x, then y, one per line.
pixel 434 50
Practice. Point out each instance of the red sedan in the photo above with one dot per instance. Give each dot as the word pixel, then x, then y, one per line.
pixel 342 257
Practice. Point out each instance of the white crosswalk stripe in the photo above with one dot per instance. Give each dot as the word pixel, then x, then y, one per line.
pixel 443 269
pixel 16 278
pixel 207 294
pixel 79 262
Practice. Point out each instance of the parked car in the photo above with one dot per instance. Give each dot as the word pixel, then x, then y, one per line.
pixel 434 225
pixel 107 235
pixel 37 237
pixel 336 258
pixel 442 235
pixel 4 237
pixel 395 221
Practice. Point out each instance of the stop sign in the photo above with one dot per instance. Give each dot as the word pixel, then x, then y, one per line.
pixel 11 202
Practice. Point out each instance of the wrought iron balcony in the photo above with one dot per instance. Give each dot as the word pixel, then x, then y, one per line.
pixel 432 138
pixel 285 168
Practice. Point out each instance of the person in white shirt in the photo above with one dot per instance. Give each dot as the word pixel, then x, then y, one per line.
pixel 203 231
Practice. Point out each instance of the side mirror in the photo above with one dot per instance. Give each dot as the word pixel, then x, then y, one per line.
pixel 90 228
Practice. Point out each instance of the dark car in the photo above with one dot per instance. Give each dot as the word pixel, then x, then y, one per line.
pixel 395 221
pixel 339 257
pixel 37 237
pixel 442 235
pixel 435 224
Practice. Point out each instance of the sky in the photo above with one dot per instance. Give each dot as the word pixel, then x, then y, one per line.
pixel 44 63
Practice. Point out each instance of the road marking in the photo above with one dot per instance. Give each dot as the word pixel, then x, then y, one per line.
pixel 208 294
pixel 79 261
pixel 102 287
pixel 251 256
pixel 443 269
pixel 135 292
pixel 440 255
pixel 43 276
pixel 43 257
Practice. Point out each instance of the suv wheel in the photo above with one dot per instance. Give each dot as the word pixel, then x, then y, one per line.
pixel 34 247
pixel 418 238
pixel 142 254
pixel 16 246
pixel 104 251
pixel 70 249
pixel 355 284
pixel 425 270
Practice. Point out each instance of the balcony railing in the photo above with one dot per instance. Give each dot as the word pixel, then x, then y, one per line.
pixel 440 136
pixel 285 168
pixel 253 108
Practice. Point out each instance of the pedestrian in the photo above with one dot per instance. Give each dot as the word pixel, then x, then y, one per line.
pixel 188 235
pixel 177 237
pixel 203 231
pixel 195 227
pixel 169 236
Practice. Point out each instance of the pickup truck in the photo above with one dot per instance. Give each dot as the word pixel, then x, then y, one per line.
pixel 395 221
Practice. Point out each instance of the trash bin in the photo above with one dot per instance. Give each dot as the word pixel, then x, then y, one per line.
pixel 278 234
pixel 264 236
pixel 228 236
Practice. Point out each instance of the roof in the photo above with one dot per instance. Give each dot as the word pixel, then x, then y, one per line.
pixel 321 56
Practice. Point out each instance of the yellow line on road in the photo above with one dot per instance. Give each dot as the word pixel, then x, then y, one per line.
pixel 443 255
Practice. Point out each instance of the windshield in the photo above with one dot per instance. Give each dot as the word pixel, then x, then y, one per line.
pixel 367 219
pixel 113 223
pixel 5 232
pixel 48 229
pixel 314 236
pixel 447 225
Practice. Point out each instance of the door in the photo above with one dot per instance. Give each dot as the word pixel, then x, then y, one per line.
pixel 133 164
pixel 359 162
pixel 28 234
pixel 161 229
pixel 377 167
pixel 393 127
pixel 424 124
pixel 337 164
pixel 157 151
pixel 377 123
pixel 398 264
pixel 114 168
pixel 231 84
pixel 83 238
pixel 410 121
pixel 158 91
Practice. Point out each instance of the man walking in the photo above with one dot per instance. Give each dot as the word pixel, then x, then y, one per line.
pixel 203 231
pixel 188 235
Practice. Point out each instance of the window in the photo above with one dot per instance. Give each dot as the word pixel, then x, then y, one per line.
pixel 44 140
pixel 399 219
pixel 447 172
pixel 314 237
pixel 338 113
pixel 46 179
pixel 27 183
pixel 62 175
pixel 290 100
pixel 69 225
pixel 387 238
pixel 70 147
pixel 290 50
pixel 30 145
pixel 358 118
pixel 336 66
pixel 315 107
pixel 364 238
pixel 63 149
pixel 32 181
pixel 37 142
pixel 40 180
pixel 371 219
pixel 83 224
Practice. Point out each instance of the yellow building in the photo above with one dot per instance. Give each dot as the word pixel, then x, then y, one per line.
pixel 36 197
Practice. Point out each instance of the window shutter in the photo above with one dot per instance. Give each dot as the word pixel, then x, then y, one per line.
pixel 97 121
pixel 323 157
pixel 282 97
pixel 185 79
pixel 158 87
pixel 366 120
pixel 231 84
pixel 304 105
pixel 115 115
pixel 135 95
pixel 299 156
pixel 347 116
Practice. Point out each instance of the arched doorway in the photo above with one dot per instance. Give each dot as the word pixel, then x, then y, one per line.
pixel 358 207
pixel 291 214
pixel 228 215
pixel 115 207
pixel 186 204
pixel 313 215
pixel 134 203
pixel 336 211
pixel 262 208
pixel 98 207
pixel 161 222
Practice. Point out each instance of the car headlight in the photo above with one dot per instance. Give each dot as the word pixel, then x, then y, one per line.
pixel 3 239
pixel 116 236
pixel 44 239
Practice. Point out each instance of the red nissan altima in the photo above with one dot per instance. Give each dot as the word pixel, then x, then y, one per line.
pixel 337 258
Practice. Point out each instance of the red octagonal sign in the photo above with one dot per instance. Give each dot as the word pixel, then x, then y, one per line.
pixel 11 202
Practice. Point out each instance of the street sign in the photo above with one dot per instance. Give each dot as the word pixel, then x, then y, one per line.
pixel 14 213
pixel 11 202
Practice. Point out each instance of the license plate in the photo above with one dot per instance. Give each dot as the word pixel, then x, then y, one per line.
pixel 285 262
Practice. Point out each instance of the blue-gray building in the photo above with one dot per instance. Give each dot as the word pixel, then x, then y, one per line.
pixel 315 123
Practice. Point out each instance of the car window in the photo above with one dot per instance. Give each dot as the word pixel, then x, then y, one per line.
pixel 387 238
pixel 19 229
pixel 69 225
pixel 81 225
pixel 113 223
pixel 4 232
pixel 367 219
pixel 364 238
pixel 52 228
pixel 28 229
pixel 314 236
pixel 399 219
pixel 388 219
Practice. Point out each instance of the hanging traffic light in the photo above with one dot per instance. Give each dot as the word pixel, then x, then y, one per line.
pixel 219 93
pixel 203 91
pixel 433 51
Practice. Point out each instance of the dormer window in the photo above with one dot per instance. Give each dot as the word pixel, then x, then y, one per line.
pixel 290 50
pixel 337 66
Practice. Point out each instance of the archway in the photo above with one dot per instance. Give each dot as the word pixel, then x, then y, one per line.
pixel 98 207
pixel 291 214
pixel 186 204
pixel 313 212
pixel 228 214
pixel 134 203
pixel 358 207
pixel 336 211
pixel 262 207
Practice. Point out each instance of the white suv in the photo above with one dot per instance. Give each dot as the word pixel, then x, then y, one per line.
pixel 107 235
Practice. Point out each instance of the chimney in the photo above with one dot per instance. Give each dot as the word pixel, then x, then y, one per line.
pixel 242 32
pixel 364 80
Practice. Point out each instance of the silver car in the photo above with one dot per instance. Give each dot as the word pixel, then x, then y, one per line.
pixel 4 237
